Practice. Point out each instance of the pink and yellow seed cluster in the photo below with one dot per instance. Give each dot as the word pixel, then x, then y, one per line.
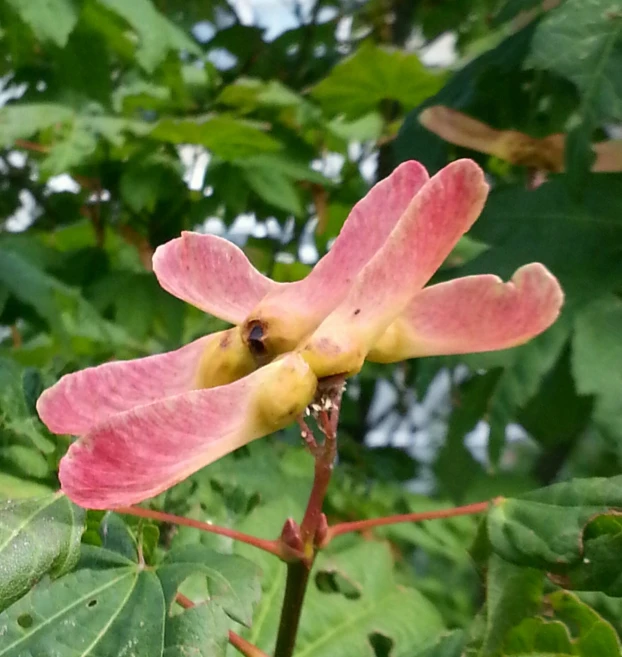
pixel 146 424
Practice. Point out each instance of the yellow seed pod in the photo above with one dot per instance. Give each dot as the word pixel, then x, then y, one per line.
pixel 327 356
pixel 393 345
pixel 225 360
pixel 289 387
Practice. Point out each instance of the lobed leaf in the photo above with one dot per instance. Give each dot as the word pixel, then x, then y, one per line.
pixel 37 537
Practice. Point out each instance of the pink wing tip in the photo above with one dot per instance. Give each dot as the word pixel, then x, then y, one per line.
pixel 163 253
pixel 470 170
pixel 42 405
pixel 537 277
pixel 412 169
pixel 51 406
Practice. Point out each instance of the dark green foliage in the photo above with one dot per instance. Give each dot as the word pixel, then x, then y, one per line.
pixel 163 115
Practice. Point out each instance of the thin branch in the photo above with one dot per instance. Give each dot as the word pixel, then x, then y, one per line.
pixel 362 525
pixel 31 146
pixel 274 547
pixel 16 336
pixel 244 646
pixel 182 600
pixel 307 435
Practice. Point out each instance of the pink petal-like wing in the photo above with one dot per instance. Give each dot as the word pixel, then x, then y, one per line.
pixel 82 399
pixel 370 222
pixel 212 274
pixel 473 314
pixel 142 452
pixel 443 210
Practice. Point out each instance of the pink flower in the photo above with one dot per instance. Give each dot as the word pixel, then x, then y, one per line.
pixel 146 424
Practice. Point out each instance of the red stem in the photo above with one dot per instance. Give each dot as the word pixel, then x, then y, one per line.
pixel 244 646
pixel 362 525
pixel 182 600
pixel 274 547
pixel 313 512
